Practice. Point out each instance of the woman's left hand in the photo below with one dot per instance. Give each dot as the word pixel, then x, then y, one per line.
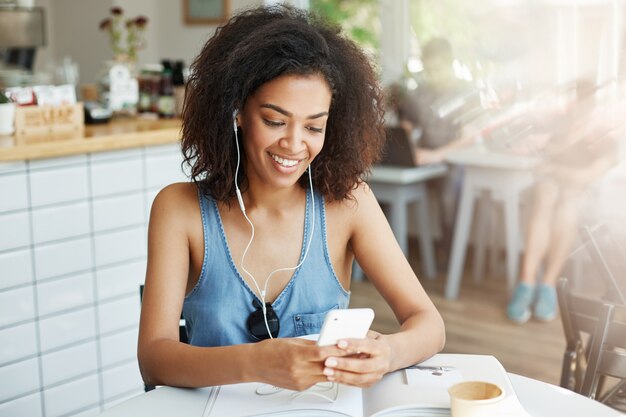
pixel 424 156
pixel 367 362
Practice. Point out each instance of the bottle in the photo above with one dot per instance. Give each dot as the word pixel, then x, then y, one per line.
pixel 143 106
pixel 155 91
pixel 178 79
pixel 149 90
pixel 166 97
pixel 177 73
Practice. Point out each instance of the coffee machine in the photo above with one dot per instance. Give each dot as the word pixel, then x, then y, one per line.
pixel 22 31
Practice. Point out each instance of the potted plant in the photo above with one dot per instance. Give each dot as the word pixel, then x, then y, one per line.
pixel 7 114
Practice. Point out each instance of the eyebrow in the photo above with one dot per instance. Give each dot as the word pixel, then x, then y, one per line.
pixel 289 114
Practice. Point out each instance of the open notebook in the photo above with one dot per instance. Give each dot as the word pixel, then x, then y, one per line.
pixel 415 391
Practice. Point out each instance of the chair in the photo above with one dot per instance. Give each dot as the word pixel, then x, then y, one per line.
pixel 595 333
pixel 579 317
pixel 491 177
pixel 182 333
pixel 609 257
pixel 607 356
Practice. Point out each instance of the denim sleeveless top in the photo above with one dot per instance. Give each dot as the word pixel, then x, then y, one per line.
pixel 217 308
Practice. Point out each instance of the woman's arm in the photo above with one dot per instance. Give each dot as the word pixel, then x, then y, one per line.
pixel 163 359
pixel 424 156
pixel 422 331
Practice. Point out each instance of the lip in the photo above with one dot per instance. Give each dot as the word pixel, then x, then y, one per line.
pixel 282 168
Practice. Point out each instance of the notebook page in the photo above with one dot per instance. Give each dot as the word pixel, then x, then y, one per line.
pixel 243 400
pixel 393 392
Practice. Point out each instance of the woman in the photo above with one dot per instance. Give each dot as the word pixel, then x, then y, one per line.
pixel 283 118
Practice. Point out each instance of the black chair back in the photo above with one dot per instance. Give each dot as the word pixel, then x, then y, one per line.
pixel 595 333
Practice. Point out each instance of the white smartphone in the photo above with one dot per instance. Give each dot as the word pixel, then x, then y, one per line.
pixel 349 323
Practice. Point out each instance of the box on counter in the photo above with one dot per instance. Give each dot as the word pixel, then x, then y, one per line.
pixel 34 124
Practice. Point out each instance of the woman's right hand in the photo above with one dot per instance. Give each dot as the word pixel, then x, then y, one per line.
pixel 291 363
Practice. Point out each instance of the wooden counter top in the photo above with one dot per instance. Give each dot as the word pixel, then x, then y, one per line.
pixel 117 134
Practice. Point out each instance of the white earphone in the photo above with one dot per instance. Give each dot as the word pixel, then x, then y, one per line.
pixel 243 211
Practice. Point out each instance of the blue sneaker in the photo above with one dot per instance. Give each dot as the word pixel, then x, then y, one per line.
pixel 518 309
pixel 545 308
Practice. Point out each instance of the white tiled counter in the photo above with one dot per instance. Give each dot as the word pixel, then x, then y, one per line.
pixel 72 256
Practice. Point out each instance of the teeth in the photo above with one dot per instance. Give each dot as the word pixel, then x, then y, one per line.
pixel 284 162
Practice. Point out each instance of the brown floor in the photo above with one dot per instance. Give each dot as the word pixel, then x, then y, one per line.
pixel 476 323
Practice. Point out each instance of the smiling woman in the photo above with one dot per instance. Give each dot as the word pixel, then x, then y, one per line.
pixel 283 120
pixel 286 119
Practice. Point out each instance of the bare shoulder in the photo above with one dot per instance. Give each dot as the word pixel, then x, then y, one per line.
pixel 356 208
pixel 176 193
pixel 178 200
pixel 363 194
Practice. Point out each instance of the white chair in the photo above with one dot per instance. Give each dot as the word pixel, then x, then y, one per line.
pixel 489 177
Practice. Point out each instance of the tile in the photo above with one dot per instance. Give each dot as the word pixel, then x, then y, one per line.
pixel 16 306
pixel 65 293
pixel 118 347
pixel 113 177
pixel 15 229
pixel 134 153
pixel 165 169
pixel 60 222
pixel 63 161
pixel 24 377
pixel 18 342
pixel 76 395
pixel 120 279
pixel 121 380
pixel 61 258
pixel 29 406
pixel 67 328
pixel 15 268
pixel 88 413
pixel 12 167
pixel 120 211
pixel 119 314
pixel 120 246
pixel 58 185
pixel 14 192
pixel 69 363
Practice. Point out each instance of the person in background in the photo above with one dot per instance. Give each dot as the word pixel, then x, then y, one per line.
pixel 433 115
pixel 282 121
pixel 578 147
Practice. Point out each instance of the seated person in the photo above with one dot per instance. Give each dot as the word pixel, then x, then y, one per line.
pixel 577 152
pixel 282 120
pixel 433 112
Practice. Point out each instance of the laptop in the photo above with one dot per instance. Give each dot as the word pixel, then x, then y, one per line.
pixel 398 150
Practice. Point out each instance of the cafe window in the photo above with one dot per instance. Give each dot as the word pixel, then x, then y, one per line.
pixel 532 44
pixel 358 18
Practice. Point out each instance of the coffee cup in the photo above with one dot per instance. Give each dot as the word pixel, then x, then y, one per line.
pixel 475 399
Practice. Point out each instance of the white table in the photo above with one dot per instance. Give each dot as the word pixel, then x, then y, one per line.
pixel 494 175
pixel 398 186
pixel 538 398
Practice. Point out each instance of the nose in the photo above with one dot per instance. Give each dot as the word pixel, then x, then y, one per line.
pixel 292 141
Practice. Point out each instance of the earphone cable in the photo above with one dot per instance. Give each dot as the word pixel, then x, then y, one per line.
pixel 267 280
pixel 243 211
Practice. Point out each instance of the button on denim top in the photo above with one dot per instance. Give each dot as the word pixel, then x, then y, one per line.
pixel 217 308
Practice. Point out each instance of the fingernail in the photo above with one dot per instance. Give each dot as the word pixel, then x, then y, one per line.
pixel 328 372
pixel 342 344
pixel 331 362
